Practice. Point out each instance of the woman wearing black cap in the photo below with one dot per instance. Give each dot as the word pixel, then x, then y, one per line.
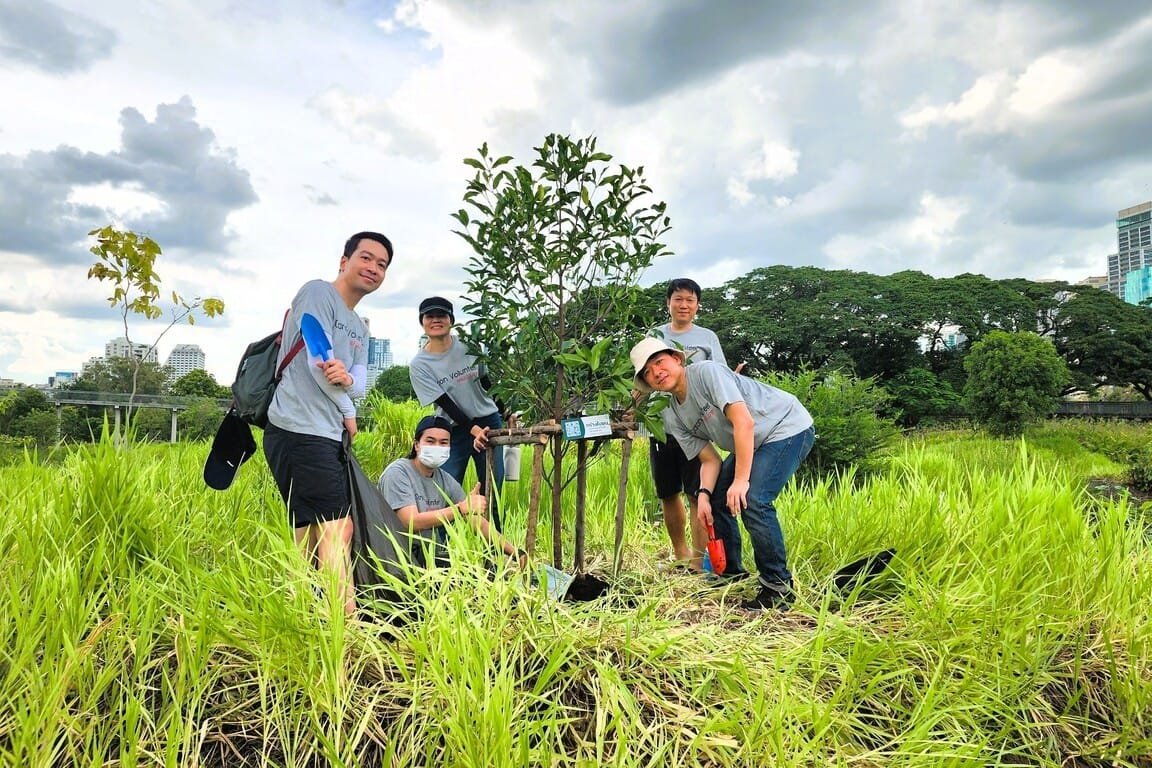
pixel 445 374
pixel 426 498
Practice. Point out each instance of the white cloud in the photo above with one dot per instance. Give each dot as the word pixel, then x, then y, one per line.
pixel 924 235
pixel 936 224
pixel 1000 101
pixel 774 161
pixel 974 105
pixel 809 139
pixel 124 202
pixel 1048 82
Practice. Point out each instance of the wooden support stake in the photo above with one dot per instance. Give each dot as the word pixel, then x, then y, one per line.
pixel 488 482
pixel 557 477
pixel 581 500
pixel 621 498
pixel 619 429
pixel 525 439
pixel 534 496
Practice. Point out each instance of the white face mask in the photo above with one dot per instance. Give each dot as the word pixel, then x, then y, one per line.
pixel 433 456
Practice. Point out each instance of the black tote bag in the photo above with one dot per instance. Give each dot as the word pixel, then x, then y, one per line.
pixel 381 543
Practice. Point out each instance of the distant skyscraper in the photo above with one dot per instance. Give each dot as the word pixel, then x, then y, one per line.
pixel 1133 246
pixel 379 358
pixel 1138 285
pixel 184 359
pixel 121 347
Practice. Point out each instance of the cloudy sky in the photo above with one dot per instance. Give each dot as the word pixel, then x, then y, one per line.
pixel 249 139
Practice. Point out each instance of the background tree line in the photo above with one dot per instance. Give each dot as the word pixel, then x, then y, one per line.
pixel 776 319
pixel 789 319
pixel 784 319
pixel 27 413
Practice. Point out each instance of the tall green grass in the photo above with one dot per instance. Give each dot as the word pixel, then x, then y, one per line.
pixel 147 620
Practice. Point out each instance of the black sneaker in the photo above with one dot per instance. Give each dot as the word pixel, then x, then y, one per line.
pixel 768 599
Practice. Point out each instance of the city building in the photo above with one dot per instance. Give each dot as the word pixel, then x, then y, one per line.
pixel 379 358
pixel 1095 281
pixel 1133 246
pixel 949 338
pixel 122 347
pixel 1138 285
pixel 183 359
pixel 61 378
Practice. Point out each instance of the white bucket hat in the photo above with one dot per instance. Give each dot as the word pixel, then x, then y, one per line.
pixel 643 352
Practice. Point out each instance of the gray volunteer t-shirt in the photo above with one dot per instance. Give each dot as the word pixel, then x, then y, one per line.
pixel 304 401
pixel 700 418
pixel 403 485
pixel 454 373
pixel 699 344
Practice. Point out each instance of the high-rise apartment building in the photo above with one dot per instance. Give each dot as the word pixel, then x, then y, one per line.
pixel 121 347
pixel 1133 246
pixel 379 358
pixel 183 359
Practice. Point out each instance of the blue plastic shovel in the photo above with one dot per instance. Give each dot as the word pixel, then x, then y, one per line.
pixel 314 337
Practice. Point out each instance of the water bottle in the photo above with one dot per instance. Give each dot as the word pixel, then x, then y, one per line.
pixel 707 564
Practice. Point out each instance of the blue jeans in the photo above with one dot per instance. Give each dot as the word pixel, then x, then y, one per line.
pixel 457 463
pixel 773 464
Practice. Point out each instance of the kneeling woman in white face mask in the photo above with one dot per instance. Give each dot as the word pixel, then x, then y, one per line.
pixel 426 498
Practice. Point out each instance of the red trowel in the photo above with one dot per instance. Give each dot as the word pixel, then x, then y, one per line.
pixel 716 554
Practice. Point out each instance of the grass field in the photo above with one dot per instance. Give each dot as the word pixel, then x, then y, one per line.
pixel 148 620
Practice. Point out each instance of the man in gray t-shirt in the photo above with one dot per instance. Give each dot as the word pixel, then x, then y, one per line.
pixel 312 407
pixel 767 431
pixel 674 473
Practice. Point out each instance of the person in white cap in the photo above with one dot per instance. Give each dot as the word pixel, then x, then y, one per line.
pixel 767 433
pixel 673 473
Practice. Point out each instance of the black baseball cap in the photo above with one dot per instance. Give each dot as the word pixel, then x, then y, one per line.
pixel 431 421
pixel 232 446
pixel 437 304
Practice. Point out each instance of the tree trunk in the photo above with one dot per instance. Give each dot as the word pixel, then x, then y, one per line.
pixel 621 498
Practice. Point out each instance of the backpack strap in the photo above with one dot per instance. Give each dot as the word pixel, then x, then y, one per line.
pixel 291 352
pixel 288 357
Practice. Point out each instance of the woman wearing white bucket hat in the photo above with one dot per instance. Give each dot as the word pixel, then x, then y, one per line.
pixel 767 433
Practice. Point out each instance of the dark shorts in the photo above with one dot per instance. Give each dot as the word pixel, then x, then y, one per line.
pixel 672 471
pixel 311 473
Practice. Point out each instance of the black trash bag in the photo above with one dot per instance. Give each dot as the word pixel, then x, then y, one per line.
pixel 585 588
pixel 383 551
pixel 863 571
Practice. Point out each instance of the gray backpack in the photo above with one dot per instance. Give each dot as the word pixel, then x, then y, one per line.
pixel 257 377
